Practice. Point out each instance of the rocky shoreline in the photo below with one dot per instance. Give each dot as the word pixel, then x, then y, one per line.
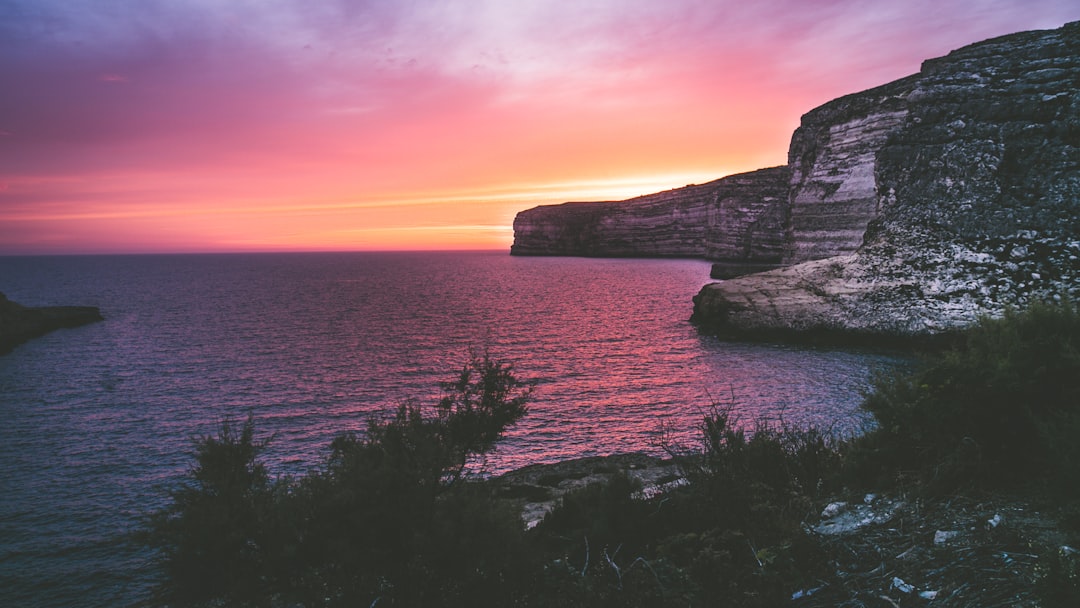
pixel 536 489
pixel 19 323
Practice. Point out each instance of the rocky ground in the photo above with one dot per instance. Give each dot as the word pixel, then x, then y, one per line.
pixel 955 551
pixel 884 550
pixel 537 489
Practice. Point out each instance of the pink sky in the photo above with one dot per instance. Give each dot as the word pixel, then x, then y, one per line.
pixel 247 125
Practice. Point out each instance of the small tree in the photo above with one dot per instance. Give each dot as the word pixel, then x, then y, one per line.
pixel 211 536
pixel 477 408
pixel 381 505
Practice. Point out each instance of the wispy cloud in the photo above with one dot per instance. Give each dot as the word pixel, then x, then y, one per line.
pixel 140 101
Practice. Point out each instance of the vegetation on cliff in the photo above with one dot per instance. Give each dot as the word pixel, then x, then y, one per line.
pixel 388 520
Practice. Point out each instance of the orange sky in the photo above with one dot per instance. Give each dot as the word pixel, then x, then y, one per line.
pixel 131 126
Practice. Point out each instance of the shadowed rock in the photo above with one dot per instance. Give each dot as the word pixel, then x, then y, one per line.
pixel 20 323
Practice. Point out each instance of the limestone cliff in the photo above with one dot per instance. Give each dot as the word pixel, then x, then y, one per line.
pixel 19 323
pixel 832 157
pixel 738 221
pixel 909 209
pixel 974 206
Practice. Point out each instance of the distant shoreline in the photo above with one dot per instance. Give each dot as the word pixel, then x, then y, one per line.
pixel 19 324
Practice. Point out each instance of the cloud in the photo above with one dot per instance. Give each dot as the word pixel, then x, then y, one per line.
pixel 136 102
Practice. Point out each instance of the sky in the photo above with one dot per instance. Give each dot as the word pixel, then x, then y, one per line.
pixel 134 126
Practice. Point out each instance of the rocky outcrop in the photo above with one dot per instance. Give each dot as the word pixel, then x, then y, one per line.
pixel 738 221
pixel 19 323
pixel 975 200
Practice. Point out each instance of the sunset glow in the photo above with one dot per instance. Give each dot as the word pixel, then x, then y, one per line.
pixel 129 126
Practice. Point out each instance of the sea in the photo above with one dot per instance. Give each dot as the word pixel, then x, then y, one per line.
pixel 97 423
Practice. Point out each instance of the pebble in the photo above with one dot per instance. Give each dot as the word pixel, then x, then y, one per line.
pixel 944 536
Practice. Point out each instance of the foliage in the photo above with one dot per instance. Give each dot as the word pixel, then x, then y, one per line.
pixel 1058 579
pixel 212 535
pixel 1002 407
pixel 732 536
pixel 384 520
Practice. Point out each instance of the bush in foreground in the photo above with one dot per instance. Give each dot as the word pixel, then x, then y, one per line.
pixel 384 522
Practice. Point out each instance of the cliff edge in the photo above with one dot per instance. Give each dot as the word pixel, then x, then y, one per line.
pixel 20 323
pixel 737 221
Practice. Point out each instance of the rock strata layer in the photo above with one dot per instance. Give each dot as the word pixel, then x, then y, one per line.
pixel 737 221
pixel 20 323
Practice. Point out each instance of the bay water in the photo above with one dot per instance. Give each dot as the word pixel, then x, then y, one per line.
pixel 96 422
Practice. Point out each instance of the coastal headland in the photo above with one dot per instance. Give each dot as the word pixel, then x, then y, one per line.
pixel 20 323
pixel 908 210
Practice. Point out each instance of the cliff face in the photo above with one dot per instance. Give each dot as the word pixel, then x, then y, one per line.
pixel 976 198
pixel 832 156
pixel 19 323
pixel 738 221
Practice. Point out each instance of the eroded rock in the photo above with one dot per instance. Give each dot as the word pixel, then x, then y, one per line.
pixel 737 221
pixel 906 210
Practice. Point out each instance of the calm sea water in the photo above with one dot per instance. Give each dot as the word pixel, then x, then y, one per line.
pixel 96 422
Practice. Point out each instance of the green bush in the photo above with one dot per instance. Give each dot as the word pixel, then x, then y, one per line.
pixel 1001 407
pixel 743 511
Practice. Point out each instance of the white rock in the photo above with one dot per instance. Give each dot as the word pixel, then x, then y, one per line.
pixel 899 584
pixel 801 593
pixel 833 509
pixel 944 536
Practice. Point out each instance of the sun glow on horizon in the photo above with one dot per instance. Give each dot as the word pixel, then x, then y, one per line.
pixel 480 218
pixel 203 126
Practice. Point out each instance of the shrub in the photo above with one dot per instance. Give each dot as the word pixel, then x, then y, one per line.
pixel 384 521
pixel 211 536
pixel 743 511
pixel 1002 407
pixel 746 475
